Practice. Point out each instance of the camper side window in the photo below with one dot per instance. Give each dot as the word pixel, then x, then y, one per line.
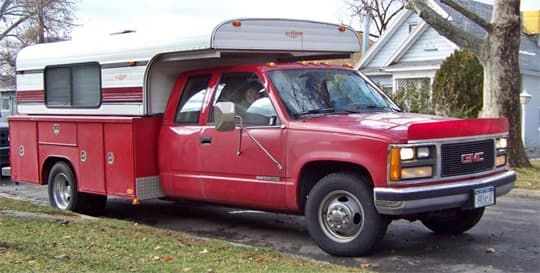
pixel 73 86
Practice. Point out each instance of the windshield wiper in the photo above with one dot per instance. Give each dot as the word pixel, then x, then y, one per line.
pixel 316 112
pixel 361 108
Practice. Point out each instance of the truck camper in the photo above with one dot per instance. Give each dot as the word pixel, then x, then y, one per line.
pixel 249 115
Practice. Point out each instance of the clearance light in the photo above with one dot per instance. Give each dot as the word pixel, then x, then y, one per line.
pixel 418 172
pixel 271 64
pixel 132 63
pixel 236 23
pixel 395 164
pixel 342 28
pixel 406 153
pixel 135 202
pixel 348 65
pixel 303 62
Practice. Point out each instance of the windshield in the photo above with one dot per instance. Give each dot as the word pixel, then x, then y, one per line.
pixel 327 91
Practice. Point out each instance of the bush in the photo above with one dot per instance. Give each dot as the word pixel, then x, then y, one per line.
pixel 458 86
pixel 414 98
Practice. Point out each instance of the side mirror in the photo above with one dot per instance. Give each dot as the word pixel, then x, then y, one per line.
pixel 224 116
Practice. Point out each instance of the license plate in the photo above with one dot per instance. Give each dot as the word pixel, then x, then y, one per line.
pixel 484 197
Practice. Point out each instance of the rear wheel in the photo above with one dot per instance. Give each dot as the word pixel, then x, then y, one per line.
pixel 64 193
pixel 452 221
pixel 341 216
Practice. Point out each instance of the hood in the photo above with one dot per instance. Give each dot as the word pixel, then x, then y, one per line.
pixel 402 127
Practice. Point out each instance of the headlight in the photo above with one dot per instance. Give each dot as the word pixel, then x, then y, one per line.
pixel 406 153
pixel 501 143
pixel 422 152
pixel 411 162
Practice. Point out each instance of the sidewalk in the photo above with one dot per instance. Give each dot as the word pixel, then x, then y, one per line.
pixel 520 193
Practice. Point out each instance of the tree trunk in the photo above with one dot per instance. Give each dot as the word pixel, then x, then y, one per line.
pixel 502 82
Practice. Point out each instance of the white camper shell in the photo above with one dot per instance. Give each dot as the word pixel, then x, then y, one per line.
pixel 129 75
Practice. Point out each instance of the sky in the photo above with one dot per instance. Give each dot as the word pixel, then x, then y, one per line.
pixel 191 17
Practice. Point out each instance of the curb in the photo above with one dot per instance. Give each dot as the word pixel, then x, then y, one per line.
pixel 520 193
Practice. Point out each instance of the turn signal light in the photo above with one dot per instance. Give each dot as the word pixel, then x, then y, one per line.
pixel 395 164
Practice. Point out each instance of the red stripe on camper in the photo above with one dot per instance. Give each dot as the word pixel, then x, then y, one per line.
pixel 117 94
pixel 30 96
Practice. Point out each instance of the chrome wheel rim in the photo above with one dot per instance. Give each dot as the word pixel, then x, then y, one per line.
pixel 341 216
pixel 61 191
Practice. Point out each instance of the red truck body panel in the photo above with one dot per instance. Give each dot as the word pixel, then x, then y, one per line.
pixel 107 154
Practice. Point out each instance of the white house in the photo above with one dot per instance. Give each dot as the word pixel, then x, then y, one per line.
pixel 410 51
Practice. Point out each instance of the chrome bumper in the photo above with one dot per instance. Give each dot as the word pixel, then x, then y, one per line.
pixel 411 200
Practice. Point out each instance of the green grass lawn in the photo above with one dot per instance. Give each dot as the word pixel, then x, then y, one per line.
pixel 45 240
pixel 529 178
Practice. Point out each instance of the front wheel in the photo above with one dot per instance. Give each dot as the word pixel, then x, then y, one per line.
pixel 341 217
pixel 452 221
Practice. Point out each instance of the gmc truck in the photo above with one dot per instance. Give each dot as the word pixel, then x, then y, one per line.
pixel 249 116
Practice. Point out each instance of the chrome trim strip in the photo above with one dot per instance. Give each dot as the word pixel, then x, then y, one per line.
pixel 468 183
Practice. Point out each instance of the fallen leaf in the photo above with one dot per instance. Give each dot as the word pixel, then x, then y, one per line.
pixel 186 269
pixel 490 250
pixel 204 251
pixel 156 258
pixel 157 248
pixel 167 259
pixel 364 266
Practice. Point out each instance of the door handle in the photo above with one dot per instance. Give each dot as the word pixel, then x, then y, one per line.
pixel 206 140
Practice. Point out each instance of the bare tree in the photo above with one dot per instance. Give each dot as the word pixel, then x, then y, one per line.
pixel 498 52
pixel 381 12
pixel 26 22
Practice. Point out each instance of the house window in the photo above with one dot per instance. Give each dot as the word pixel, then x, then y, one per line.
pixel 415 83
pixel 73 86
pixel 6 104
pixel 412 26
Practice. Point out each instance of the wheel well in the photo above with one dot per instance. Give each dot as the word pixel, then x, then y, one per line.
pixel 47 166
pixel 314 171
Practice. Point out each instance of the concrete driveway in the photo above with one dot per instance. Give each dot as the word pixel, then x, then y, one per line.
pixel 506 240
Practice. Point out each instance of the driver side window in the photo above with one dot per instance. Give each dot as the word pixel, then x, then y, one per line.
pixel 249 96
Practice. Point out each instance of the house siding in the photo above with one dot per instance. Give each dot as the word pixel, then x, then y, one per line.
pixel 429 46
pixel 394 42
pixel 531 84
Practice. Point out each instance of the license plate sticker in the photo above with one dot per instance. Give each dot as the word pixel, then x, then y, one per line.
pixel 484 197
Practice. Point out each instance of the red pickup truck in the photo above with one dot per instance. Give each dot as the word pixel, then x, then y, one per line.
pixel 219 125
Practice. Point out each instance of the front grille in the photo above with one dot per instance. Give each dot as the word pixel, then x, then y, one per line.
pixel 467 158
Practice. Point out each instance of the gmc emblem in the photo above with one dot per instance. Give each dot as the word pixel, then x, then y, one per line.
pixel 472 158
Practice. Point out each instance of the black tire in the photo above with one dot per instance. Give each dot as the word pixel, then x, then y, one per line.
pixel 63 192
pixel 452 221
pixel 341 216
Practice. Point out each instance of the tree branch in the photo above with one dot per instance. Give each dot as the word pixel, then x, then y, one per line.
pixel 445 28
pixel 12 27
pixel 470 15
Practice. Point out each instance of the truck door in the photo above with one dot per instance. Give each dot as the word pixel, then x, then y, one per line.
pixel 179 139
pixel 236 170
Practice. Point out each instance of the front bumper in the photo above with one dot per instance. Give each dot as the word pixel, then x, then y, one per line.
pixel 411 200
